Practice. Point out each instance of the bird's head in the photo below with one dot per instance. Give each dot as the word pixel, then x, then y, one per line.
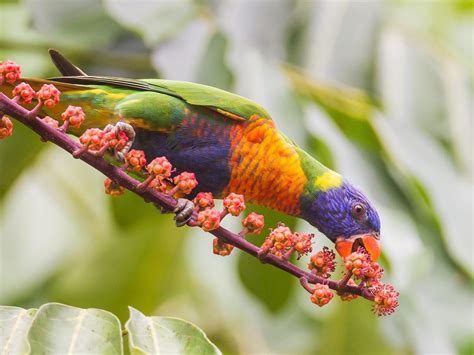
pixel 345 216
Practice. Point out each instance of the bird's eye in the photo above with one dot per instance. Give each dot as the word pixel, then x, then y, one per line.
pixel 358 210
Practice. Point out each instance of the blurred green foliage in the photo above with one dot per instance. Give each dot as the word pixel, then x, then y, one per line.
pixel 380 91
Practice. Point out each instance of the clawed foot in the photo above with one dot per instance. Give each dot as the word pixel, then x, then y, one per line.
pixel 129 132
pixel 184 211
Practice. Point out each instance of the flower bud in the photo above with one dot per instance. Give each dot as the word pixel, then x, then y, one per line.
pixel 221 248
pixel 160 167
pixel 10 71
pixel 302 243
pixel 321 295
pixel 75 115
pixel 112 188
pixel 347 296
pixel 25 92
pixel 204 200
pixel 234 204
pixel 6 127
pixel 92 138
pixel 322 263
pixel 254 223
pixel 209 219
pixel 358 262
pixel 49 95
pixel 50 121
pixel 135 160
pixel 185 182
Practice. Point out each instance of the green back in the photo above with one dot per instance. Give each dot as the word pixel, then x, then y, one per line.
pixel 194 94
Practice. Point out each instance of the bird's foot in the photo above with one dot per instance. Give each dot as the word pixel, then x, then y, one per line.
pixel 129 132
pixel 184 211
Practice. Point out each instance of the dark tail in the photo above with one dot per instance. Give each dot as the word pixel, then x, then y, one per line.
pixel 65 67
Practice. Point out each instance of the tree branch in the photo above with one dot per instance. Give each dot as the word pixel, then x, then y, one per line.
pixel 61 139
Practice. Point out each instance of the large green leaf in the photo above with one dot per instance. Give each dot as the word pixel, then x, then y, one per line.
pixel 59 328
pixel 166 335
pixel 14 325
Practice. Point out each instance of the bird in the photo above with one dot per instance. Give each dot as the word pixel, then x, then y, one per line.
pixel 229 142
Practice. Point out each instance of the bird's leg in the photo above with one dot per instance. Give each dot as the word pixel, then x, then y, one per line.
pixel 129 132
pixel 184 211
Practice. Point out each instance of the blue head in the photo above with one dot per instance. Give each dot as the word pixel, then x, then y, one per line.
pixel 345 216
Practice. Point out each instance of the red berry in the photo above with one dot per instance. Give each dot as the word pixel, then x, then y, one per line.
pixel 186 182
pixel 385 298
pixel 49 95
pixel 10 71
pixel 321 295
pixel 221 248
pixel 135 160
pixel 25 92
pixel 92 138
pixel 204 200
pixel 322 263
pixel 209 219
pixel 234 204
pixel 6 127
pixel 50 121
pixel 112 188
pixel 254 223
pixel 160 167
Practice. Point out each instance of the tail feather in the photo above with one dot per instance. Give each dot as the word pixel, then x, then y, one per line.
pixel 65 67
pixel 71 94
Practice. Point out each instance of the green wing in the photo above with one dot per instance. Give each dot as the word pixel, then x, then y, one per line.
pixel 233 106
pixel 203 95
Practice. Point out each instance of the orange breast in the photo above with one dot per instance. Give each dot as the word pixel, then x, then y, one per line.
pixel 264 167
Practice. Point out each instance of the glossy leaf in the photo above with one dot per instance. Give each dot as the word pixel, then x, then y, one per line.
pixel 59 328
pixel 166 335
pixel 14 325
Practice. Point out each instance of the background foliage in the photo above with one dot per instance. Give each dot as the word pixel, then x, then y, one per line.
pixel 379 90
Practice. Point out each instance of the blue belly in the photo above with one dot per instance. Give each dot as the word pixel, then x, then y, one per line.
pixel 205 155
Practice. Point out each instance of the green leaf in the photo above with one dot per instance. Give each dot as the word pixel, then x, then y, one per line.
pixel 59 328
pixel 214 70
pixel 154 20
pixel 83 23
pixel 166 335
pixel 272 287
pixel 14 325
pixel 25 146
pixel 138 266
pixel 352 329
pixel 350 109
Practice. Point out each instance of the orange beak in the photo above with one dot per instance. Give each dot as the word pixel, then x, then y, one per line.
pixel 369 241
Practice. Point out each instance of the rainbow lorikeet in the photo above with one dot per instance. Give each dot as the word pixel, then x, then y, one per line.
pixel 229 142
